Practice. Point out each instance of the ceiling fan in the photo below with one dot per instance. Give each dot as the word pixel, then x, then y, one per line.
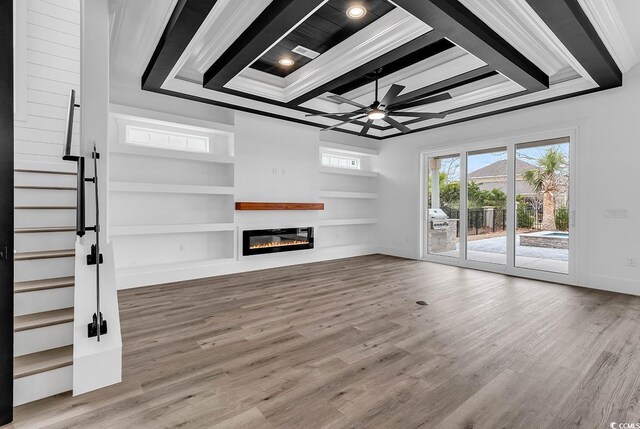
pixel 384 109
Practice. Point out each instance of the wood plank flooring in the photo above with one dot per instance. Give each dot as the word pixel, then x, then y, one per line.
pixel 343 344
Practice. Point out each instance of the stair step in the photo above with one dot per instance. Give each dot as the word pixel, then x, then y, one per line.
pixel 47 254
pixel 29 170
pixel 44 229
pixel 40 320
pixel 47 188
pixel 45 207
pixel 36 363
pixel 36 285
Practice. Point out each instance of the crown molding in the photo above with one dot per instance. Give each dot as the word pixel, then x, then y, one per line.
pixel 604 16
pixel 522 28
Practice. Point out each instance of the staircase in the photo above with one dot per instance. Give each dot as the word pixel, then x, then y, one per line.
pixel 45 204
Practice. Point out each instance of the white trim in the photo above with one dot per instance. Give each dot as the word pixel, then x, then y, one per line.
pixel 604 16
pixel 521 27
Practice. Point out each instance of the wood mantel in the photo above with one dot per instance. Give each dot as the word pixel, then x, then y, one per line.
pixel 278 206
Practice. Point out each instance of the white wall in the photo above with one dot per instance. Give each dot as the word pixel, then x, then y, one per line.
pixel 47 62
pixel 608 154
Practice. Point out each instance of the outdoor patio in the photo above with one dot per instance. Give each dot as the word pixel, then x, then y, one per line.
pixel 494 250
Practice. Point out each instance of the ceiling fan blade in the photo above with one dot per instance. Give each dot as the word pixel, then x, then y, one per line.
pixel 420 115
pixel 391 95
pixel 366 127
pixel 345 114
pixel 346 100
pixel 343 123
pixel 435 98
pixel 398 125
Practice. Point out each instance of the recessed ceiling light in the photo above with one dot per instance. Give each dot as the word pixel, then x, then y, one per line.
pixel 356 11
pixel 376 114
pixel 287 62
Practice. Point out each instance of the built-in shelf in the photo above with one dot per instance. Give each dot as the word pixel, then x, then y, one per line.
pixel 348 171
pixel 278 206
pixel 130 149
pixel 169 229
pixel 347 149
pixel 155 268
pixel 169 188
pixel 340 194
pixel 338 222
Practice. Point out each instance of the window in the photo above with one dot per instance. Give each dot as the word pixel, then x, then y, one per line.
pixel 166 139
pixel 340 161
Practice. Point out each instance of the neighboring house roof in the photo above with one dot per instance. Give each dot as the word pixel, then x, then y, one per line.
pixel 499 168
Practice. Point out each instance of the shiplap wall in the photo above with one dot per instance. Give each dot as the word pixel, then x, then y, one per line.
pixel 48 52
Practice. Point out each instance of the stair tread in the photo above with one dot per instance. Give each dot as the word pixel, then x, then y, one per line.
pixel 45 207
pixel 52 188
pixel 35 285
pixel 46 254
pixel 47 360
pixel 44 229
pixel 31 170
pixel 40 320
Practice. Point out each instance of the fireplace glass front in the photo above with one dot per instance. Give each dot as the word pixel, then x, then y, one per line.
pixel 259 241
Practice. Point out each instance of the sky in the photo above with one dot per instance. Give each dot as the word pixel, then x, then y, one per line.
pixel 477 161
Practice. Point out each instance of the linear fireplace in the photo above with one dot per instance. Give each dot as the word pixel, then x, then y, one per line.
pixel 259 241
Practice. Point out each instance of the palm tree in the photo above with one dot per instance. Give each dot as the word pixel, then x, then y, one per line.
pixel 548 179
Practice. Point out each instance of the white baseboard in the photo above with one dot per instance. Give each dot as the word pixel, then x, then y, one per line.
pixel 613 284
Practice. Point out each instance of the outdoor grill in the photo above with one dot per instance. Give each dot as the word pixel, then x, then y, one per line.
pixel 438 219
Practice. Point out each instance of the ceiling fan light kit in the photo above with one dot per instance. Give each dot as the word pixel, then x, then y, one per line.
pixel 384 109
pixel 375 114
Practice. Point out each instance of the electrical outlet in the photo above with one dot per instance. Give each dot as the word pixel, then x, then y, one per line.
pixel 632 262
pixel 182 247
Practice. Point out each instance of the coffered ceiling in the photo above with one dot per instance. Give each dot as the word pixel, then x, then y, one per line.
pixel 490 56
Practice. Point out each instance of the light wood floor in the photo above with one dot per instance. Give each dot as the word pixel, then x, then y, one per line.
pixel 343 344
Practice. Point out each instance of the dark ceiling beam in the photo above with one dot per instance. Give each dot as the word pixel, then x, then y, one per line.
pixel 186 19
pixel 447 84
pixel 462 27
pixel 277 19
pixel 494 112
pixel 572 26
pixel 373 65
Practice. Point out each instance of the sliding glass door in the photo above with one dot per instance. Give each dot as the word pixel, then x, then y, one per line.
pixel 503 208
pixel 487 206
pixel 542 205
pixel 442 227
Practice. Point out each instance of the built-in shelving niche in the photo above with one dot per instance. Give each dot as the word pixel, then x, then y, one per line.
pixel 350 197
pixel 170 209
